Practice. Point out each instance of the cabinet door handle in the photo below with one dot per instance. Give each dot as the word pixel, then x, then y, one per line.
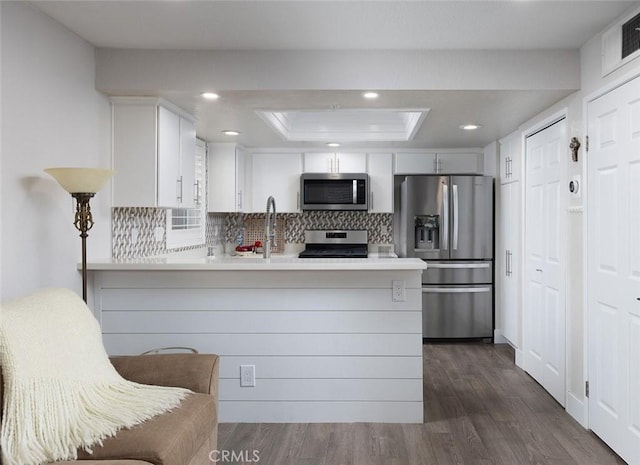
pixel 435 165
pixel 179 190
pixel 239 200
pixel 506 263
pixel 439 166
pixel 371 200
pixel 196 192
pixel 337 165
pixel 298 201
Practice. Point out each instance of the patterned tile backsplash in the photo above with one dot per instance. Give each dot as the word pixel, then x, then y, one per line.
pixel 226 227
pixel 134 233
pixel 377 224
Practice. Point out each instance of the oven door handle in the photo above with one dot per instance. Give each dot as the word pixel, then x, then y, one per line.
pixel 455 290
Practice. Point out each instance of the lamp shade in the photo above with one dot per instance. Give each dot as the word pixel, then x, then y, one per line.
pixel 81 180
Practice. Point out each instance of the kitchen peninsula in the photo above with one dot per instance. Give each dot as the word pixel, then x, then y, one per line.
pixel 321 340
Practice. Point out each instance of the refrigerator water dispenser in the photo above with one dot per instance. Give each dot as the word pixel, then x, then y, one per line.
pixel 427 232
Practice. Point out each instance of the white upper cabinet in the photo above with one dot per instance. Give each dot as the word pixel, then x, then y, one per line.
pixel 154 146
pixel 459 162
pixel 277 175
pixel 439 162
pixel 338 162
pixel 380 182
pixel 510 158
pixel 415 163
pixel 226 178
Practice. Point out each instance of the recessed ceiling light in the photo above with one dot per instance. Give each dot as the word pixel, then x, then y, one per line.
pixel 370 95
pixel 210 95
pixel 229 132
pixel 333 144
pixel 470 127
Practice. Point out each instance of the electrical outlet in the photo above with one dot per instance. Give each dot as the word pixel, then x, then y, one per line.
pixel 247 375
pixel 398 291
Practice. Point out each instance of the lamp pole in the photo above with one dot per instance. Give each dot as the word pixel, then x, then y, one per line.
pixel 83 222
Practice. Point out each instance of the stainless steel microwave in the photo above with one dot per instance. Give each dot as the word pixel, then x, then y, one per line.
pixel 334 191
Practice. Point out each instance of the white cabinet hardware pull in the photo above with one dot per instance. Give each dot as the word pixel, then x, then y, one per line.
pixel 179 190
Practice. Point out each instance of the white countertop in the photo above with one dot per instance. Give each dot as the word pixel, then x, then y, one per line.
pixel 276 262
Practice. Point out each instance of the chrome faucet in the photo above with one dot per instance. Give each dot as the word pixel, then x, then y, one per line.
pixel 269 228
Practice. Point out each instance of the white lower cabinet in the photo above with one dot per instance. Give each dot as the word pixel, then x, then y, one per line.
pixel 277 175
pixel 509 263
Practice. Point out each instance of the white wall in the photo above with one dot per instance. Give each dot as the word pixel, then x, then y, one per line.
pixel 51 116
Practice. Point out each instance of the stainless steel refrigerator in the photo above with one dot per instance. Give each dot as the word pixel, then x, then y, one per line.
pixel 448 222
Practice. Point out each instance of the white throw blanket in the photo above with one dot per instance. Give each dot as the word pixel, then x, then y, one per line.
pixel 61 392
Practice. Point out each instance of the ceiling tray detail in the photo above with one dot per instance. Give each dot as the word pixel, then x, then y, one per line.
pixel 341 125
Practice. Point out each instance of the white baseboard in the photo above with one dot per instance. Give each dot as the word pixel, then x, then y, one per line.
pixel 498 338
pixel 519 359
pixel 577 409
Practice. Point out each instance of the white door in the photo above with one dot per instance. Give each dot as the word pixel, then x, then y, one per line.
pixel 613 269
pixel 544 303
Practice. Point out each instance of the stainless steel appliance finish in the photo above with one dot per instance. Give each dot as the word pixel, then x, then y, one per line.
pixel 458 272
pixel 448 222
pixel 463 311
pixel 336 243
pixel 444 217
pixel 334 191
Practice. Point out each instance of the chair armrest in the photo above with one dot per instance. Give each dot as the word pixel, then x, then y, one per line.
pixel 198 372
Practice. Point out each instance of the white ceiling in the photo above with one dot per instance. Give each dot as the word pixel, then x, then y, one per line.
pixel 336 25
pixel 348 25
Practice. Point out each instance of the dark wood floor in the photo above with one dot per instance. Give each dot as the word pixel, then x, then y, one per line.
pixel 480 409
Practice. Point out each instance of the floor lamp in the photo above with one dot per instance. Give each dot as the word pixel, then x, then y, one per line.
pixel 82 184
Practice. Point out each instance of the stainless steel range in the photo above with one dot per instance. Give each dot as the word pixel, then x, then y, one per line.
pixel 336 243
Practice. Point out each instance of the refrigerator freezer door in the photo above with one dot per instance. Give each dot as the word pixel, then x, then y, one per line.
pixel 457 311
pixel 458 272
pixel 471 215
